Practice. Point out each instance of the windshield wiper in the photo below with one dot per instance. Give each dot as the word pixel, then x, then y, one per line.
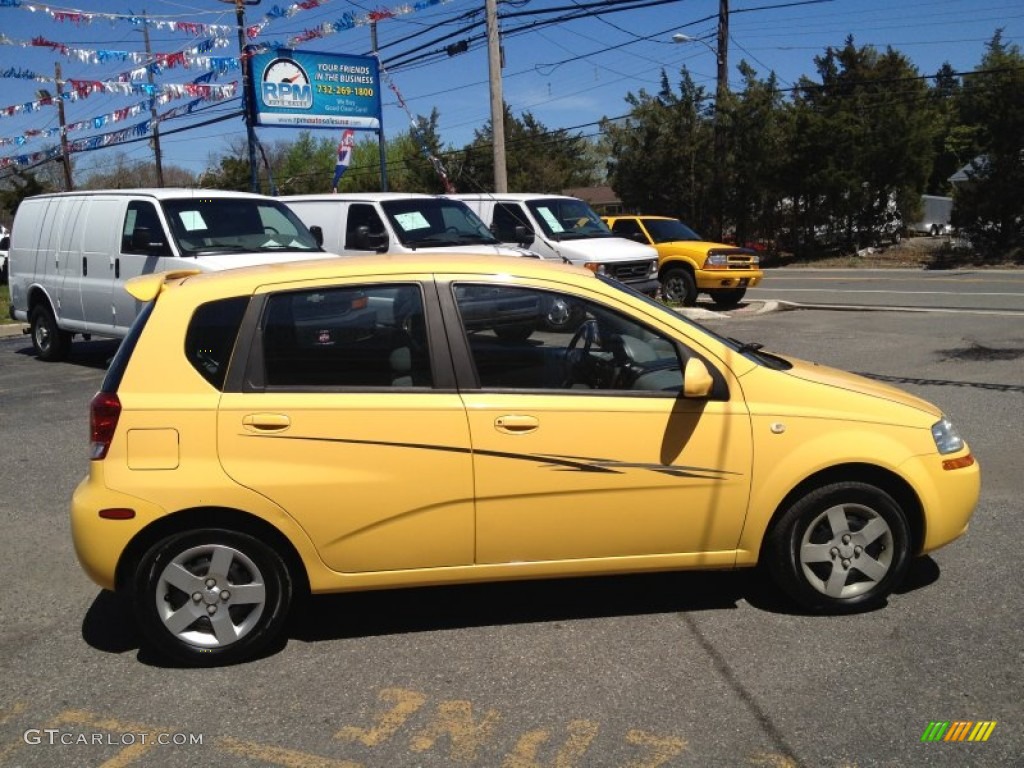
pixel 747 346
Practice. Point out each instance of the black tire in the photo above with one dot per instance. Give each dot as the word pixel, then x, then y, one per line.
pixel 934 230
pixel 727 297
pixel 841 548
pixel 679 287
pixel 214 629
pixel 50 342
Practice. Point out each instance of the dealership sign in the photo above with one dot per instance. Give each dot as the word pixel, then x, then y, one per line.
pixel 306 89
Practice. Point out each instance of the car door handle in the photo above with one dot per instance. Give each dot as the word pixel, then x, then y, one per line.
pixel 266 422
pixel 514 424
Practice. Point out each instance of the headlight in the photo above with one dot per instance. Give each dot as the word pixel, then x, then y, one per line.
pixel 717 260
pixel 596 268
pixel 947 439
pixel 755 260
pixel 653 271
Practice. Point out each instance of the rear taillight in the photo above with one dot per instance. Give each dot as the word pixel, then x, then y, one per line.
pixel 104 411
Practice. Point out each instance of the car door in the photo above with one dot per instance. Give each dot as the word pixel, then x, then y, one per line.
pixel 350 422
pixel 584 447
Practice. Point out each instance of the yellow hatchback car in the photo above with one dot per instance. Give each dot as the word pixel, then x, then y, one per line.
pixel 397 421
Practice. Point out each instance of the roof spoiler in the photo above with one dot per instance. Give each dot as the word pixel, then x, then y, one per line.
pixel 148 287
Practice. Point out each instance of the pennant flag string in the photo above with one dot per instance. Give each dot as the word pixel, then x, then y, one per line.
pixel 81 89
pixel 196 29
pixel 104 140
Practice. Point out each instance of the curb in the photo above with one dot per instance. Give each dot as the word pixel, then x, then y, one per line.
pixel 8 330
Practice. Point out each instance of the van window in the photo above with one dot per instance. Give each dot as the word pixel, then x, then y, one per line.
pixel 508 216
pixel 566 218
pixel 364 228
pixel 436 221
pixel 142 216
pixel 206 225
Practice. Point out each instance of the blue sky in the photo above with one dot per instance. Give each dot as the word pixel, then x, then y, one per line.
pixel 568 75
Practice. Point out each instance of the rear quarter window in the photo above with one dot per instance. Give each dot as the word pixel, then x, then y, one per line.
pixel 211 336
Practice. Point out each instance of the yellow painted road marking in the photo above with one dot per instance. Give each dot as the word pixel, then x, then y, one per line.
pixel 581 733
pixel 661 748
pixel 289 758
pixel 404 705
pixel 454 719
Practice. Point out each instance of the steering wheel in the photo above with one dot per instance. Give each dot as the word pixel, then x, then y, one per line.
pixel 270 230
pixel 579 361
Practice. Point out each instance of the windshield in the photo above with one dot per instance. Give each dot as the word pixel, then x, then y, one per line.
pixel 669 230
pixel 204 225
pixel 436 221
pixel 566 218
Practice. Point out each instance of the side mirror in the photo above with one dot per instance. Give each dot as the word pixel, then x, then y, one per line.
pixel 523 235
pixel 697 381
pixel 365 240
pixel 318 234
pixel 640 238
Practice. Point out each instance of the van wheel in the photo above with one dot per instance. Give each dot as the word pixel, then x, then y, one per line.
pixel 211 597
pixel 679 287
pixel 50 342
pixel 841 548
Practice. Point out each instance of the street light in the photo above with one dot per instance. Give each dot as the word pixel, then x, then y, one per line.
pixel 679 37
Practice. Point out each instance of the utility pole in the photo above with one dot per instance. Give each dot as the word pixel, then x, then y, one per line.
pixel 247 107
pixel 721 96
pixel 380 133
pixel 497 99
pixel 64 154
pixel 152 104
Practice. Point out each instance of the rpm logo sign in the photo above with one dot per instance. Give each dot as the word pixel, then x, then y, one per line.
pixel 285 85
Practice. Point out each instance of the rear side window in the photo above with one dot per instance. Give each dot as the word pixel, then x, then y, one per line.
pixel 211 337
pixel 359 336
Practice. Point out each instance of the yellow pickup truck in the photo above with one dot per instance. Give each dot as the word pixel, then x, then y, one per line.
pixel 688 264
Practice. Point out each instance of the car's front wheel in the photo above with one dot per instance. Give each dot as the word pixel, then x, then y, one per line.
pixel 50 342
pixel 841 548
pixel 679 287
pixel 211 597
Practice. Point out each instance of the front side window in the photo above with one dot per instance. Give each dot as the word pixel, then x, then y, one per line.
pixel 220 225
pixel 353 336
pixel 364 230
pixel 514 345
pixel 507 217
pixel 142 231
pixel 670 231
pixel 628 228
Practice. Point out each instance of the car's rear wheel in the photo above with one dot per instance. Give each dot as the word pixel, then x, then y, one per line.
pixel 727 297
pixel 211 597
pixel 841 548
pixel 679 287
pixel 50 342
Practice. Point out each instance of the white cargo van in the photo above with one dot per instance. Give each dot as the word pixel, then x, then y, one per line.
pixel 361 223
pixel 71 252
pixel 566 228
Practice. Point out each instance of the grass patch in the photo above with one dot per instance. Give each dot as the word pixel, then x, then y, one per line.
pixel 5 305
